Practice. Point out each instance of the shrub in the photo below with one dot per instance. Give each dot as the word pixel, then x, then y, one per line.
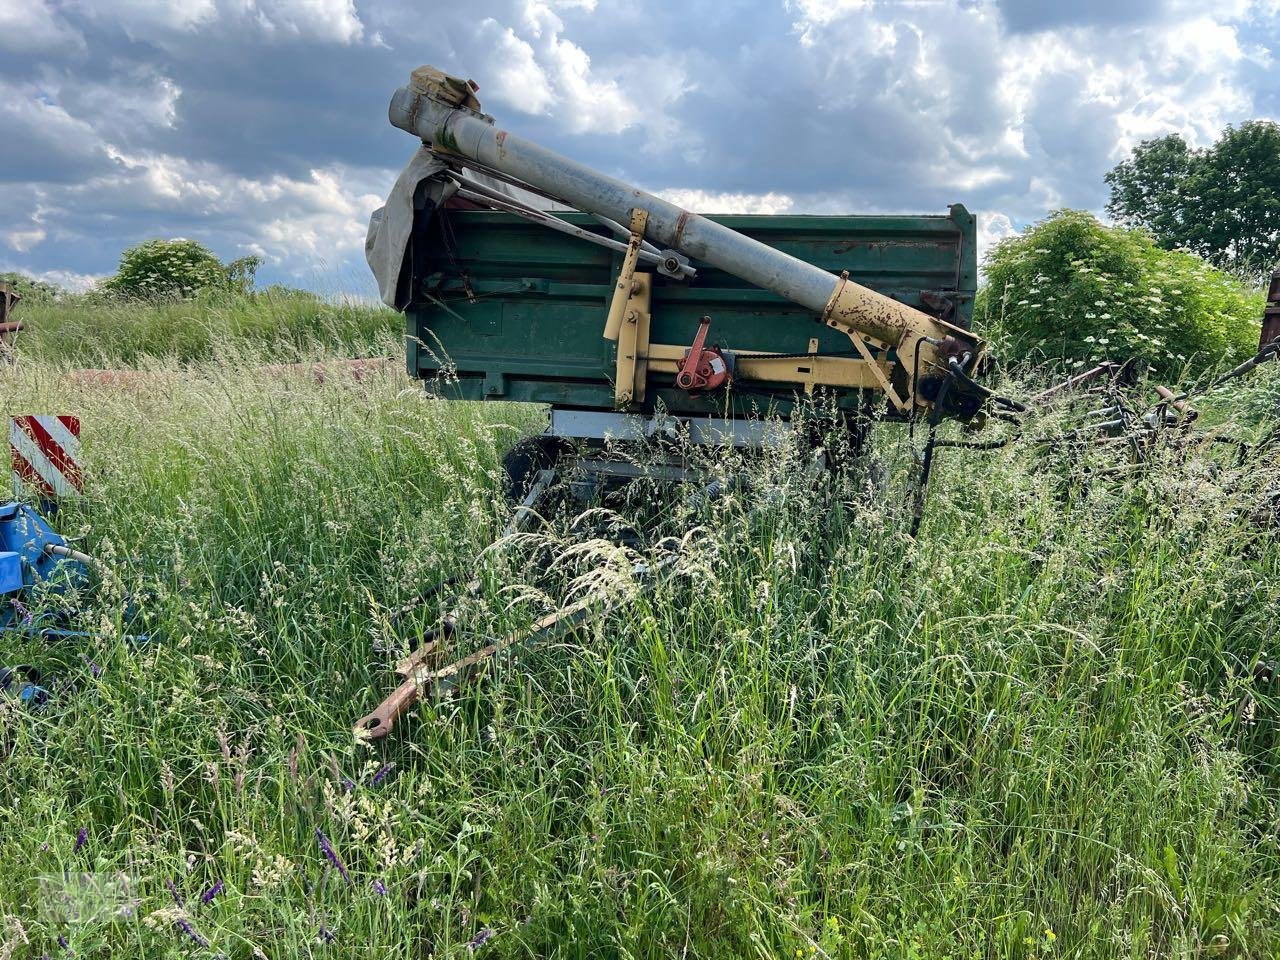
pixel 163 269
pixel 1070 289
pixel 30 289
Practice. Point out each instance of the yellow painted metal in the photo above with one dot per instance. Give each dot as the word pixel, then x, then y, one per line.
pixel 810 371
pixel 633 344
pixel 859 312
pixel 860 344
pixel 624 288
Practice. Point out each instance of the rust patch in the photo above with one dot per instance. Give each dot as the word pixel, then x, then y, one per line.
pixel 501 140
pixel 1271 316
pixel 681 223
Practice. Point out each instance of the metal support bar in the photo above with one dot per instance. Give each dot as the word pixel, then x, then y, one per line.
pixel 623 290
pixel 813 369
pixel 860 345
pixel 709 431
pixel 525 511
pixel 633 345
pixel 478 193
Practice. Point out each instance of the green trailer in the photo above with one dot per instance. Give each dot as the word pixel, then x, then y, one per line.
pixel 504 309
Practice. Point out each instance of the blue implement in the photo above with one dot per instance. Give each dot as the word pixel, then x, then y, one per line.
pixel 34 560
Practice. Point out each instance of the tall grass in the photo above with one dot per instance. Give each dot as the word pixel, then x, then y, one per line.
pixel 1032 732
pixel 279 323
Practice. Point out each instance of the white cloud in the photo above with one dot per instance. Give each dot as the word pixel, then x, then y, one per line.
pixel 32 26
pixel 536 69
pixel 335 21
pixel 702 201
pixel 142 18
pixel 518 79
pixel 24 240
pixel 330 21
pixel 992 228
pixel 323 219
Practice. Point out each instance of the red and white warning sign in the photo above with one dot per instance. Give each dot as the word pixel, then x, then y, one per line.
pixel 46 454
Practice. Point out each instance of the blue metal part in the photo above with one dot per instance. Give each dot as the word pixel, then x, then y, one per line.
pixel 10 571
pixel 29 565
pixel 23 683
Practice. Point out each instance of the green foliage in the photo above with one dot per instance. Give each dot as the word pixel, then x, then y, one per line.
pixel 31 290
pixel 1221 202
pixel 1071 289
pixel 178 269
pixel 277 323
pixel 1031 732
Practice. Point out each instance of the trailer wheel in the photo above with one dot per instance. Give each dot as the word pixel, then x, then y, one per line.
pixel 530 455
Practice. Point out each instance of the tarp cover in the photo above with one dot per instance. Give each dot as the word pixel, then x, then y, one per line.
pixel 391 224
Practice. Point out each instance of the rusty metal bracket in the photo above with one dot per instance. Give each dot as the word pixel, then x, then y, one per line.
pixel 633 344
pixel 623 288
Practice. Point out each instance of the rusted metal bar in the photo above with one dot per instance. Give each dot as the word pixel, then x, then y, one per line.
pixel 1171 399
pixel 1271 315
pixel 8 297
pixel 422 677
pixel 1079 380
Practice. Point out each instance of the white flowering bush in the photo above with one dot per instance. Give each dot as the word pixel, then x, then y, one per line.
pixel 1072 290
pixel 165 269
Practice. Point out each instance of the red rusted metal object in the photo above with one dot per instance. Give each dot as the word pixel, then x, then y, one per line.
pixel 1106 368
pixel 703 367
pixel 8 297
pixel 1271 316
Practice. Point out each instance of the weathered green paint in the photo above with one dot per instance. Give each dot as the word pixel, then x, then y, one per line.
pixel 527 323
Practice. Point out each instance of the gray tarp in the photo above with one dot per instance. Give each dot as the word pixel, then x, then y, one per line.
pixel 391 224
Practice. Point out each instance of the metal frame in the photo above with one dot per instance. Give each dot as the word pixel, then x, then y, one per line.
pixel 600 425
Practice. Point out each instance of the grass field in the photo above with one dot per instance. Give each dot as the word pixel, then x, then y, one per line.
pixel 279 324
pixel 1033 732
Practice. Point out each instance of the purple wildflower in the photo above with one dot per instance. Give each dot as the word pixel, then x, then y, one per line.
pixel 480 938
pixel 379 887
pixel 93 667
pixel 208 895
pixel 81 838
pixel 327 935
pixel 327 848
pixel 348 784
pixel 23 611
pixel 185 926
pixel 63 943
pixel 381 774
pixel 177 898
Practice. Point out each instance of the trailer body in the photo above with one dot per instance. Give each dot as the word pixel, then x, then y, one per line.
pixel 503 309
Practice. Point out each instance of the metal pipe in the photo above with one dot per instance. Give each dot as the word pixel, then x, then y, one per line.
pixel 479 192
pixel 469 135
pixel 58 550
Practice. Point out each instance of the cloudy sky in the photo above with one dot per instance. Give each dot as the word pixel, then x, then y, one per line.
pixel 259 126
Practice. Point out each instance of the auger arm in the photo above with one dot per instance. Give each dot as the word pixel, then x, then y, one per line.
pixel 935 360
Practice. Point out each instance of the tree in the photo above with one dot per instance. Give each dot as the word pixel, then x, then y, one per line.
pixel 30 289
pixel 1221 202
pixel 1070 289
pixel 178 268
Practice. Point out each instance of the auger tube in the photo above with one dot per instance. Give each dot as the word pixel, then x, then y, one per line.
pixel 441 111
